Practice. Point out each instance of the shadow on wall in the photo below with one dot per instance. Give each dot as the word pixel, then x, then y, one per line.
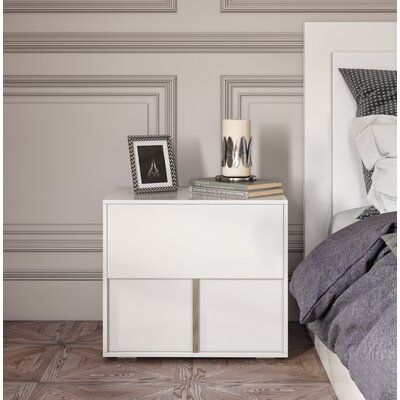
pixel 193 157
pixel 273 154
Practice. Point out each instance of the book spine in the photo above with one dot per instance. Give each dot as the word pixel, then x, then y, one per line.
pixel 262 193
pixel 209 190
pixel 219 185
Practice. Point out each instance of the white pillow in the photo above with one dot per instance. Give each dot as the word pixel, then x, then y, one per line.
pixel 376 141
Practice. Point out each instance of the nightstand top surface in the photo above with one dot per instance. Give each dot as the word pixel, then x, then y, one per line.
pixel 125 195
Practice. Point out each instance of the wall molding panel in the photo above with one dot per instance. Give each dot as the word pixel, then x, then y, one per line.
pixel 230 83
pixel 77 238
pixel 302 6
pixel 20 86
pixel 93 6
pixel 239 93
pixel 153 42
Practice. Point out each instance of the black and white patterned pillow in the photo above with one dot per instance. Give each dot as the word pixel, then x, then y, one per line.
pixel 367 177
pixel 375 92
pixel 368 212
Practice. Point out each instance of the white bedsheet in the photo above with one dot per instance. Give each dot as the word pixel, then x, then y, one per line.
pixel 345 218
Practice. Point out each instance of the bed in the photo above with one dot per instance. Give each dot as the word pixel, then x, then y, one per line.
pixel 334 192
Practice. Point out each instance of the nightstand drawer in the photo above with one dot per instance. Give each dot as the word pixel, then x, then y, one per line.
pixel 242 316
pixel 150 315
pixel 195 241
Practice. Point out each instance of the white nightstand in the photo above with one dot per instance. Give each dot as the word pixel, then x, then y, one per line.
pixel 190 277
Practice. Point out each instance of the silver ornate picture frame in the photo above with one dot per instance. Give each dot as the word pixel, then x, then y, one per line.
pixel 152 164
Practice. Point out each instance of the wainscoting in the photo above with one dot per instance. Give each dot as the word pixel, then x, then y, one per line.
pixel 80 77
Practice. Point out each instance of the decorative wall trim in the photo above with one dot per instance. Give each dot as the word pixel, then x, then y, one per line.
pixel 83 238
pixel 93 6
pixel 52 229
pixel 295 238
pixel 153 42
pixel 51 245
pixel 27 274
pixel 75 85
pixel 65 238
pixel 357 6
pixel 231 82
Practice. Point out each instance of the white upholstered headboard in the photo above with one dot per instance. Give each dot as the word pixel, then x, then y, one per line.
pixel 332 171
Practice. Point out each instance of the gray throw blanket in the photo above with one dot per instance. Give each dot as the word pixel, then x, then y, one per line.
pixel 346 292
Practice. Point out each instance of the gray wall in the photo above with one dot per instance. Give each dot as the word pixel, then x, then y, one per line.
pixel 80 77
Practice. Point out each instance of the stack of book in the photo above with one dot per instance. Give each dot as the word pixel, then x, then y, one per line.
pixel 247 190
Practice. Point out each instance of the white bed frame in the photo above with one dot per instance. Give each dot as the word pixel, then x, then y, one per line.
pixel 333 179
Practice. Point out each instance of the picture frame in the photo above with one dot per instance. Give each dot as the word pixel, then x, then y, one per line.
pixel 152 164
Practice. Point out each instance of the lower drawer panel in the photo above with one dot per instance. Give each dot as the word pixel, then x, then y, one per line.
pixel 150 315
pixel 223 317
pixel 242 316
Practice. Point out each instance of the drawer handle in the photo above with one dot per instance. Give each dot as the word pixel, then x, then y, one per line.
pixel 196 315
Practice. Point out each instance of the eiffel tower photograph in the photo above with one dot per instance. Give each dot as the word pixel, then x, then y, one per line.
pixel 152 164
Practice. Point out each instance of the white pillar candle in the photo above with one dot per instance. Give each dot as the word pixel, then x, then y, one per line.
pixel 236 129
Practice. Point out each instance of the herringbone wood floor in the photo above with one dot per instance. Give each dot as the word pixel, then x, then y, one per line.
pixel 63 360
